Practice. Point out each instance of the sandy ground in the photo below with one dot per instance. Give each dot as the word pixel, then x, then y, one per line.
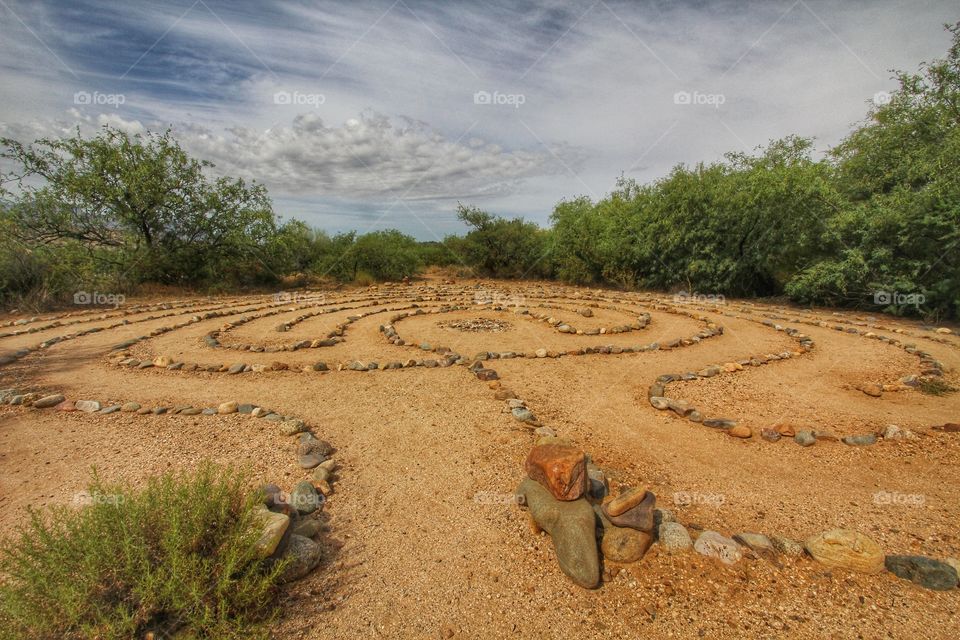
pixel 423 539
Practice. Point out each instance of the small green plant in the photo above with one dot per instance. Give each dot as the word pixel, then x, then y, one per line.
pixel 364 279
pixel 936 387
pixel 173 558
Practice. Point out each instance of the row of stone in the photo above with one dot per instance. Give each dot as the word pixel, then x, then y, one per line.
pixel 123 357
pixel 286 528
pixel 23 352
pixel 930 367
pixel 182 307
pixel 712 330
pixel 219 311
pixel 870 321
pixel 643 319
pixel 657 394
pixel 568 497
pixel 332 338
pixel 84 316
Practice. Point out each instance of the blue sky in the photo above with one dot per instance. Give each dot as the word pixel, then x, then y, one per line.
pixel 373 115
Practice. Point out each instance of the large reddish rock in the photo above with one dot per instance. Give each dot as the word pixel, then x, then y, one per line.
pixel 560 467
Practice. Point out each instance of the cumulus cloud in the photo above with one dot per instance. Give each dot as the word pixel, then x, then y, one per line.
pixel 369 156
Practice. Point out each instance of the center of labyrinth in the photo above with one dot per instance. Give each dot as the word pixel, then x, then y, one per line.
pixel 634 430
pixel 475 325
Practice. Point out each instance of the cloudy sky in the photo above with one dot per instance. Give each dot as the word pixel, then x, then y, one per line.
pixel 372 115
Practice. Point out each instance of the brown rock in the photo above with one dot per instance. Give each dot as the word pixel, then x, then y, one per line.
pixel 785 429
pixel 561 468
pixel 639 517
pixel 624 545
pixel 846 549
pixel 872 389
pixel 740 431
pixel 626 501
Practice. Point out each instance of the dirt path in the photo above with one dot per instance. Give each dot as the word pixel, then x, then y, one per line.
pixel 423 538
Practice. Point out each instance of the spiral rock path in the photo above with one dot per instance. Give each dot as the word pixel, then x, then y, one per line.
pixel 691 415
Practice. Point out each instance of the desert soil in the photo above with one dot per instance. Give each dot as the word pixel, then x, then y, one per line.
pixel 422 538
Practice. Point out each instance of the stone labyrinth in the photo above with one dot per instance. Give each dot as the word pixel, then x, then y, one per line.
pixel 664 384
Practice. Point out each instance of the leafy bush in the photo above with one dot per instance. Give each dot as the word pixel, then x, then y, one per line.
pixel 504 248
pixel 385 255
pixel 878 219
pixel 174 556
pixel 142 208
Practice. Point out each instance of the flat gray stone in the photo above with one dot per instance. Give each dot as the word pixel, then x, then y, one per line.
pixel 572 527
pixel 714 545
pixel 674 537
pixel 309 461
pixel 48 401
pixel 926 572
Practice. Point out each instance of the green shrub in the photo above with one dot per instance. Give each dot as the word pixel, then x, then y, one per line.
pixel 364 279
pixel 174 557
pixel 384 255
pixel 936 387
pixel 504 248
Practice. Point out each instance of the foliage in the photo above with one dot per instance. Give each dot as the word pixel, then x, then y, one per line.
pixel 175 556
pixel 504 248
pixel 899 173
pixel 736 227
pixel 936 387
pixel 385 255
pixel 878 219
pixel 140 205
